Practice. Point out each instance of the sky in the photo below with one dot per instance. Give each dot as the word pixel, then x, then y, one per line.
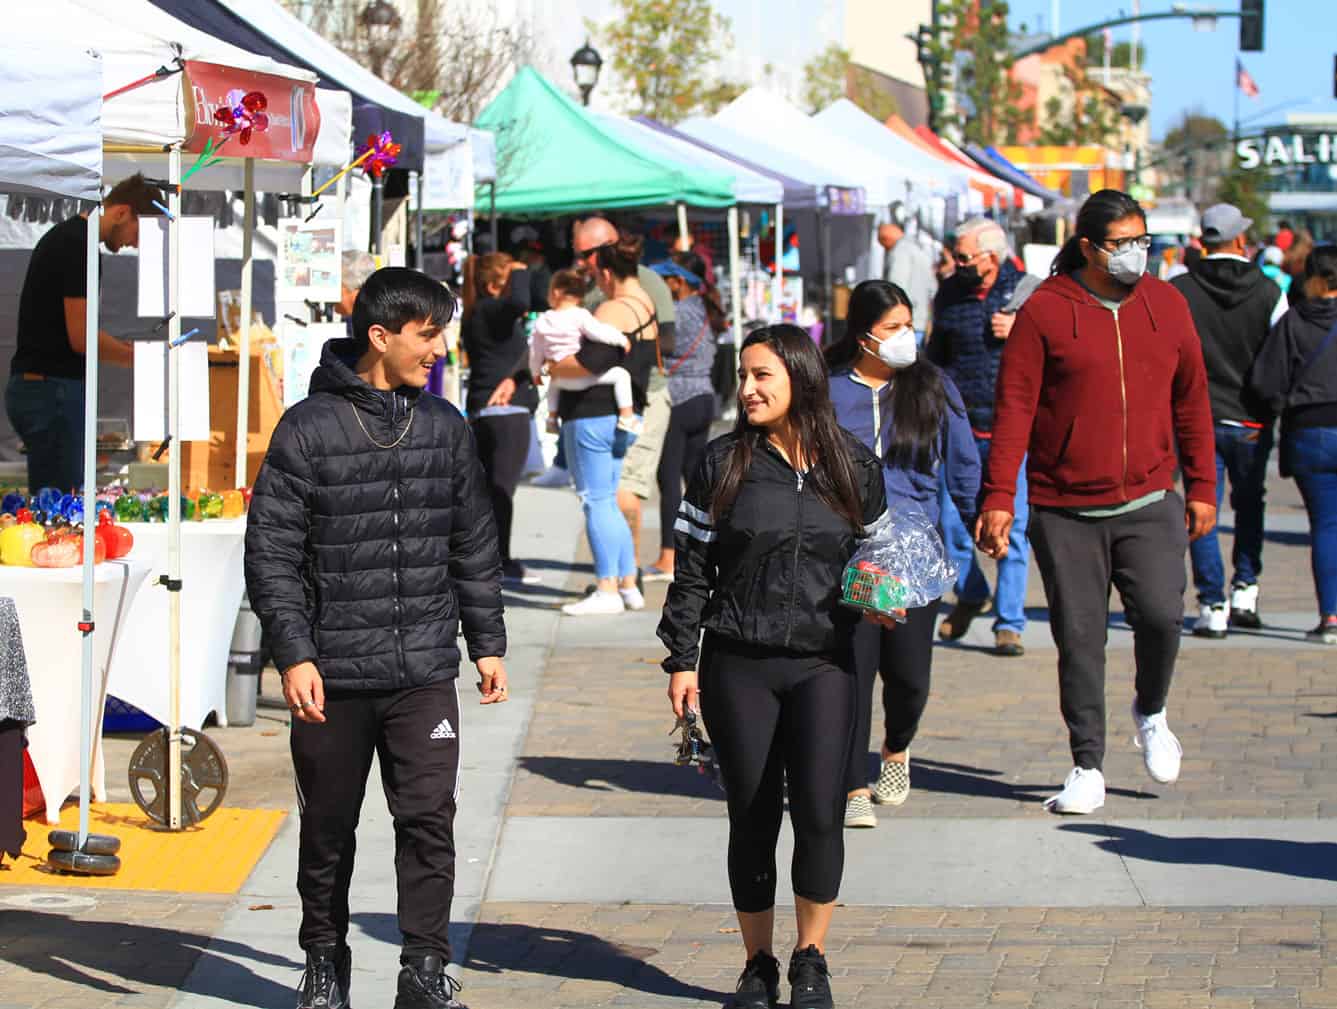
pixel 1191 69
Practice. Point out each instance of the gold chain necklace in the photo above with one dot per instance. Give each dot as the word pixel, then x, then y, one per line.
pixel 358 417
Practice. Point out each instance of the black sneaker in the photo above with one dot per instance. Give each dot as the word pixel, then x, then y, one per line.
pixel 809 980
pixel 325 983
pixel 424 984
pixel 759 984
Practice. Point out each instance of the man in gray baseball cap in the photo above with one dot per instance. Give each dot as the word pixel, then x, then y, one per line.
pixel 1233 305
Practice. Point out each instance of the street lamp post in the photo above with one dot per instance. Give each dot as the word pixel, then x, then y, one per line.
pixel 585 65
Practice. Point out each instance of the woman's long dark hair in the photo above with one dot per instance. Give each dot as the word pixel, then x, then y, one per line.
pixel 710 297
pixel 918 397
pixel 820 439
pixel 1093 223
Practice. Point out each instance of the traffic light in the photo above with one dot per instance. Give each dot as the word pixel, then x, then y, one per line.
pixel 1251 26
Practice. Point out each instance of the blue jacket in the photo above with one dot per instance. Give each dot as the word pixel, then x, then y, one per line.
pixel 963 344
pixel 866 413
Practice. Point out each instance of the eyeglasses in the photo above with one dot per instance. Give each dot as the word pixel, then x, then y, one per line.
pixel 1124 244
pixel 964 260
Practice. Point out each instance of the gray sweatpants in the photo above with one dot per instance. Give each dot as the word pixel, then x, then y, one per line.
pixel 1141 554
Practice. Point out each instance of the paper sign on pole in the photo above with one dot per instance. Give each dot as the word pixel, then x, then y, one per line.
pixel 197 268
pixel 150 381
pixel 301 354
pixel 448 179
pixel 309 267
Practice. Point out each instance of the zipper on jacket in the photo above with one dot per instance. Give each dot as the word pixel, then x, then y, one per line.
pixel 877 423
pixel 398 608
pixel 798 541
pixel 1123 401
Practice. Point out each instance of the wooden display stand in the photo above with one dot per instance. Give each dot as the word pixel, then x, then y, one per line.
pixel 213 465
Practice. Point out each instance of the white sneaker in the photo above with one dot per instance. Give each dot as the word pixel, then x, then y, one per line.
pixel 1160 747
pixel 632 598
pixel 1083 792
pixel 1244 607
pixel 1213 621
pixel 553 476
pixel 596 604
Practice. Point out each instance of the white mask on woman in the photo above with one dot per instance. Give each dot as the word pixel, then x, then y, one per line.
pixel 898 349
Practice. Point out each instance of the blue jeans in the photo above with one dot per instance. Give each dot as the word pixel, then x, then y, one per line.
pixel 48 414
pixel 592 450
pixel 1312 454
pixel 1241 453
pixel 971 585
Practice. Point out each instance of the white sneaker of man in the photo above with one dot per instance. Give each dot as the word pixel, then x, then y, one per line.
pixel 553 476
pixel 1213 621
pixel 1244 607
pixel 1083 792
pixel 596 604
pixel 1161 752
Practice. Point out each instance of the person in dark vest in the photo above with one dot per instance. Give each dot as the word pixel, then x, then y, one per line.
pixel 970 330
pixel 1234 305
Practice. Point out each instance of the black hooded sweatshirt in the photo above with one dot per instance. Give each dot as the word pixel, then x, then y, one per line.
pixel 1306 397
pixel 1232 304
pixel 370 537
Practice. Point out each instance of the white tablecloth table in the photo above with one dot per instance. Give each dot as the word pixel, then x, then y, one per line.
pixel 50 605
pixel 212 585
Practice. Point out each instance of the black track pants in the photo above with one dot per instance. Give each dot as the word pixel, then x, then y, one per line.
pixel 1141 554
pixel 503 447
pixel 415 735
pixel 684 446
pixel 904 656
pixel 773 716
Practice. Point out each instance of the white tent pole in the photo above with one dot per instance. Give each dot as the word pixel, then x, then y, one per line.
pixel 418 225
pixel 735 279
pixel 778 281
pixel 684 238
pixel 174 487
pixel 87 731
pixel 244 349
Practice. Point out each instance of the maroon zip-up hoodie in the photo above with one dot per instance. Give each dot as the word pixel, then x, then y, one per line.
pixel 1099 399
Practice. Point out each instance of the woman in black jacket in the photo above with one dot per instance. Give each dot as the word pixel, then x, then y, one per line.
pixel 763 535
pixel 1296 370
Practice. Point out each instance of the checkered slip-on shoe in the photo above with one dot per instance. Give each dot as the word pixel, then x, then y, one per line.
pixel 893 783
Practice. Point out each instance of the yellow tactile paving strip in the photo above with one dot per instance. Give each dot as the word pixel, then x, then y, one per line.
pixel 215 856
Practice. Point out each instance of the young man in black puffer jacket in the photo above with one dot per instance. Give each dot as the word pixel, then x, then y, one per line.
pixel 370 541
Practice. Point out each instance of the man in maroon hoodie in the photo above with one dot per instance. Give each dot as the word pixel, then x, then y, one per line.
pixel 1100 379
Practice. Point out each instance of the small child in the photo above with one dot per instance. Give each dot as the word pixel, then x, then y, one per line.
pixel 557 335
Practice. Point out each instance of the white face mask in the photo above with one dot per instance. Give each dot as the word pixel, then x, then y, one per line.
pixel 1127 266
pixel 898 350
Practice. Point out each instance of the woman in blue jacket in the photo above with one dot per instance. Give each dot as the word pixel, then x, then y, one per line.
pixel 912 417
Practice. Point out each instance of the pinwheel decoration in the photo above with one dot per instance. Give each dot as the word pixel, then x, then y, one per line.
pixel 243 114
pixel 379 153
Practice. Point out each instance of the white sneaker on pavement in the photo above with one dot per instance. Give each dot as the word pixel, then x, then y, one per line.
pixel 632 598
pixel 1244 607
pixel 1083 792
pixel 596 604
pixel 553 476
pixel 1160 747
pixel 1213 621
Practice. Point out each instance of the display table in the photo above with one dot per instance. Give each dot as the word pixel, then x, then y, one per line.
pixel 49 602
pixel 212 584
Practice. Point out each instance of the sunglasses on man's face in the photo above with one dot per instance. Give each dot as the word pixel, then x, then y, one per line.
pixel 591 251
pixel 965 260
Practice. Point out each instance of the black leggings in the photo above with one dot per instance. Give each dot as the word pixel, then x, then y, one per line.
pixel 904 656
pixel 503 446
pixel 684 445
pixel 775 716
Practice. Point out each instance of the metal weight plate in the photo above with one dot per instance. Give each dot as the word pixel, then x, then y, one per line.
pixel 95 844
pixel 83 863
pixel 203 776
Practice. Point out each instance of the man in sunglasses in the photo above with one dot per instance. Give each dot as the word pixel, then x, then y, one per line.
pixel 972 317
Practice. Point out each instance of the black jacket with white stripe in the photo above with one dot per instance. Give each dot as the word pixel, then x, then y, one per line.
pixel 768 571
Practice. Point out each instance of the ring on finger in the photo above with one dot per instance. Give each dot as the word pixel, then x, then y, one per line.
pixel 308 704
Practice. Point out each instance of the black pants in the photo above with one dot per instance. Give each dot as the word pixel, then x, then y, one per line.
pixel 904 656
pixel 724 373
pixel 503 446
pixel 774 716
pixel 684 445
pixel 415 735
pixel 1142 555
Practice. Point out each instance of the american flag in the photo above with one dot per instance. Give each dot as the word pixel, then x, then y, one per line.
pixel 1244 82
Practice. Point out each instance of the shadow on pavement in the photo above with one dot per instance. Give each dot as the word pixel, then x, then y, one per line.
pixel 77 951
pixel 509 947
pixel 962 779
pixel 1306 859
pixel 612 775
pixel 1287 536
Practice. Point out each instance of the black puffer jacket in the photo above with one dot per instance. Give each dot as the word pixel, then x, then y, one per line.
pixel 366 559
pixel 769 571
